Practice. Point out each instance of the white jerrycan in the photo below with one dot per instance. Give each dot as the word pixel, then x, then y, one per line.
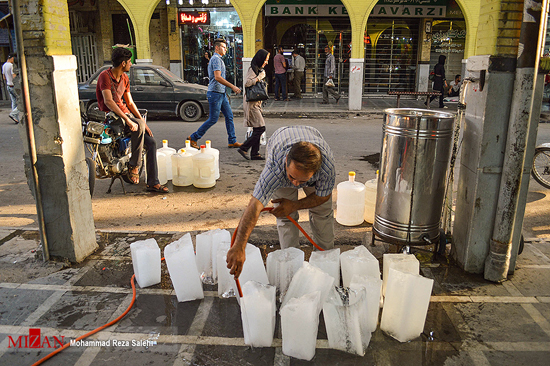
pixel 168 151
pixel 182 168
pixel 203 169
pixel 216 154
pixel 188 148
pixel 350 204
pixel 161 167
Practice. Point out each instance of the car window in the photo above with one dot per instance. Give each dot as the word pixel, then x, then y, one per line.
pixel 147 77
pixel 94 80
pixel 170 75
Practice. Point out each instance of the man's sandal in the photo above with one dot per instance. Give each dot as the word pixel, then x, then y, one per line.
pixel 157 188
pixel 133 176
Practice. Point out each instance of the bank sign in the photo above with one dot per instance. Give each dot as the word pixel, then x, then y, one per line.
pixel 384 8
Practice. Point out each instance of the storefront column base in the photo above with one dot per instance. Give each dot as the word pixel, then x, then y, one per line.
pixel 246 64
pixel 144 61
pixel 423 77
pixel 175 67
pixel 356 76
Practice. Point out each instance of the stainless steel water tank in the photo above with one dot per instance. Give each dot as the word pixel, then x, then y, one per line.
pixel 416 147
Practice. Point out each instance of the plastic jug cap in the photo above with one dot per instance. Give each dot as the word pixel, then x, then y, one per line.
pixel 203 146
pixel 182 151
pixel 164 141
pixel 351 174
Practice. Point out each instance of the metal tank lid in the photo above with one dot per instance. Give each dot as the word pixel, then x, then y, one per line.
pixel 414 112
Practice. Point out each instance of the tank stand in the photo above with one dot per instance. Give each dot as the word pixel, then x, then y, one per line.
pixel 121 183
pixel 439 246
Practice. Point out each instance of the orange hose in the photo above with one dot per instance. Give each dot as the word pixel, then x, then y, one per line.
pixel 66 345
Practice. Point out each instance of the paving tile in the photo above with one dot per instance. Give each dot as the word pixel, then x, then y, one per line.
pixel 224 319
pixel 438 322
pixel 57 278
pixel 531 256
pixel 109 273
pixel 532 281
pixel 16 305
pixel 331 357
pixel 517 358
pixel 490 322
pixel 159 314
pixel 28 356
pixel 160 354
pixel 232 355
pixel 81 310
pixel 544 309
pixel 544 247
pixel 455 281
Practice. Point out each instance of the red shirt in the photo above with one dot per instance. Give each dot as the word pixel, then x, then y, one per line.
pixel 106 81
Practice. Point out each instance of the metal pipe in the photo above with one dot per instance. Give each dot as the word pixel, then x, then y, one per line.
pixel 497 262
pixel 27 121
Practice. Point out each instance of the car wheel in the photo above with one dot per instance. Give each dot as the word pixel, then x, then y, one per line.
pixel 94 113
pixel 190 111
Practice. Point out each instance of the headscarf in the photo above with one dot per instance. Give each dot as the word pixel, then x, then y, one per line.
pixel 442 59
pixel 258 61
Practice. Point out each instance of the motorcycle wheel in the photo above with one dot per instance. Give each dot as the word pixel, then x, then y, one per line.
pixel 91 175
pixel 541 166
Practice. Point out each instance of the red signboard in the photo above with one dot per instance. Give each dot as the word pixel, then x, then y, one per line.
pixel 194 17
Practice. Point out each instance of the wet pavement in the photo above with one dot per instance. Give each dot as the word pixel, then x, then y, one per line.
pixel 470 321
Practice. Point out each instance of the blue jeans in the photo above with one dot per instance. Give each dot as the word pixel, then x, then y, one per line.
pixel 217 102
pixel 13 96
pixel 280 79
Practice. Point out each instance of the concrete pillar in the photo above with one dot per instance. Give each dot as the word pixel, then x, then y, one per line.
pixel 61 165
pixel 105 32
pixel 246 64
pixel 174 40
pixel 423 83
pixel 356 81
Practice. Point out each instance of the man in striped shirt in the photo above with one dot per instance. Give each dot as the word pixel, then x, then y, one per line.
pixel 297 157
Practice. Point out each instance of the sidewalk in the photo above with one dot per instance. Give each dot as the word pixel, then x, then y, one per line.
pixel 470 321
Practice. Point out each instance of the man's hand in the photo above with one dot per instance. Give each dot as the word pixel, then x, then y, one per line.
pixel 284 208
pixel 236 89
pixel 235 260
pixel 132 125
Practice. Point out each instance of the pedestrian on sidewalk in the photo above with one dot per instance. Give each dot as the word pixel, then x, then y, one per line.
pixel 253 110
pixel 9 75
pixel 297 157
pixel 440 83
pixel 330 69
pixel 217 99
pixel 280 66
pixel 298 65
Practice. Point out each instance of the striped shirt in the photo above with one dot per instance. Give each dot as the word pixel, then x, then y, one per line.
pixel 274 175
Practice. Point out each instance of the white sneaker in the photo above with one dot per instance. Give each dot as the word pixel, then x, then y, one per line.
pixel 445 107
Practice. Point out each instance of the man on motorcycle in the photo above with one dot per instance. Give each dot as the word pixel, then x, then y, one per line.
pixel 113 85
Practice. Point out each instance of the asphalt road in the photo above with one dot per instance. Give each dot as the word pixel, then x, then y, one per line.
pixel 353 140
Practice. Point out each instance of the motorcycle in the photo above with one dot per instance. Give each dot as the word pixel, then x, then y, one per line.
pixel 541 165
pixel 109 148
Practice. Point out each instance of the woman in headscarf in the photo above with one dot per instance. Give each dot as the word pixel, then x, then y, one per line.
pixel 253 110
pixel 440 83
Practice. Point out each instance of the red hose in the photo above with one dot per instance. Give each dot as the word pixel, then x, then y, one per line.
pixel 66 345
pixel 293 221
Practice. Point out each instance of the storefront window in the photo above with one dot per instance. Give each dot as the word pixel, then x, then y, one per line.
pixel 448 38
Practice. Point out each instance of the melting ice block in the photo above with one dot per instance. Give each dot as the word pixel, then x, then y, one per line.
pixel 253 268
pixel 282 264
pixel 218 237
pixel 345 320
pixel 180 260
pixel 400 261
pixel 225 280
pixel 328 261
pixel 309 279
pixel 146 262
pixel 373 288
pixel 203 248
pixel 299 325
pixel 358 261
pixel 405 305
pixel 258 313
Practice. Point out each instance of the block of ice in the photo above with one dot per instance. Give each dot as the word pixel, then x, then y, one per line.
pixel 146 262
pixel 373 288
pixel 345 321
pixel 225 280
pixel 253 268
pixel 258 313
pixel 400 261
pixel 180 260
pixel 203 248
pixel 282 264
pixel 406 305
pixel 218 237
pixel 309 279
pixel 299 325
pixel 358 261
pixel 328 261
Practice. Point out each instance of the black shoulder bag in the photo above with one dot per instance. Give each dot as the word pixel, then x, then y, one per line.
pixel 257 92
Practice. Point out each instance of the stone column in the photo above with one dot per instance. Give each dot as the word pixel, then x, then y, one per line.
pixel 61 166
pixel 356 81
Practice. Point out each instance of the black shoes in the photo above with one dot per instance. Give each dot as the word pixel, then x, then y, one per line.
pixel 244 154
pixel 257 157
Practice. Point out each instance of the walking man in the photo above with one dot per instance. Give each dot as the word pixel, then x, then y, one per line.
pixel 217 99
pixel 7 71
pixel 298 65
pixel 330 69
pixel 297 157
pixel 279 63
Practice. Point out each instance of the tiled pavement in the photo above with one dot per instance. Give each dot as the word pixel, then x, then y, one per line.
pixel 471 321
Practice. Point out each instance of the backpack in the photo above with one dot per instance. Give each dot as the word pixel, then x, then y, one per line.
pixel 432 76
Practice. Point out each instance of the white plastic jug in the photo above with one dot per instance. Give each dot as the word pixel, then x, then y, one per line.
pixel 182 168
pixel 350 205
pixel 168 151
pixel 216 153
pixel 161 167
pixel 191 150
pixel 203 169
pixel 370 199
